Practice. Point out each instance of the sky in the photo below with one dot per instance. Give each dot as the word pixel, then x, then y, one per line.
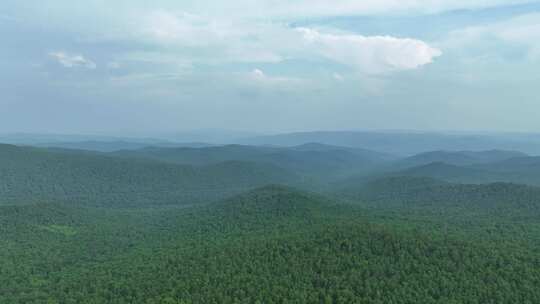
pixel 140 68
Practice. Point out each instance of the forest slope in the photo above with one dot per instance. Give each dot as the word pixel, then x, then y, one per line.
pixel 270 245
pixel 37 175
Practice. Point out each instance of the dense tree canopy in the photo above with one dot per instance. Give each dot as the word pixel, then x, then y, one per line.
pixel 387 240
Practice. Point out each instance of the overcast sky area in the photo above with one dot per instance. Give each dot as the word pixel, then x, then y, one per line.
pixel 148 67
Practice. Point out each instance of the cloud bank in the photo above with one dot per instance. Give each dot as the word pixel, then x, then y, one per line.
pixel 323 8
pixel 275 42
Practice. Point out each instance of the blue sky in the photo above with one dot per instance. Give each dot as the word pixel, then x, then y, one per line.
pixel 145 68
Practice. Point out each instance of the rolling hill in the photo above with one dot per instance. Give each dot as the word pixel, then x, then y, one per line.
pixel 518 164
pixel 225 225
pixel 34 175
pixel 319 162
pixel 451 173
pixel 423 192
pixel 265 246
pixel 270 204
pixel 522 170
pixel 461 167
pixel 458 158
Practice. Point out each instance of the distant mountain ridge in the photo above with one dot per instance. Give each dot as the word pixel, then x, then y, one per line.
pixel 406 143
pixel 112 146
pixel 315 160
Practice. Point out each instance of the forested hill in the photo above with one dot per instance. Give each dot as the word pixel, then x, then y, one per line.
pixel 322 162
pixel 36 175
pixel 521 170
pixel 528 165
pixel 451 173
pixel 270 245
pixel 272 203
pixel 458 158
pixel 87 227
pixel 406 191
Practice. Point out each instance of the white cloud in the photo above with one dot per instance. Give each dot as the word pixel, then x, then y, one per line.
pixel 157 57
pixel 181 27
pixel 321 8
pixel 371 54
pixel 145 78
pixel 258 76
pixel 211 39
pixel 217 41
pixel 54 13
pixel 522 31
pixel 72 61
pixel 338 77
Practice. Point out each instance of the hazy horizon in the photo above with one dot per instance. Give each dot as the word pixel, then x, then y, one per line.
pixel 244 134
